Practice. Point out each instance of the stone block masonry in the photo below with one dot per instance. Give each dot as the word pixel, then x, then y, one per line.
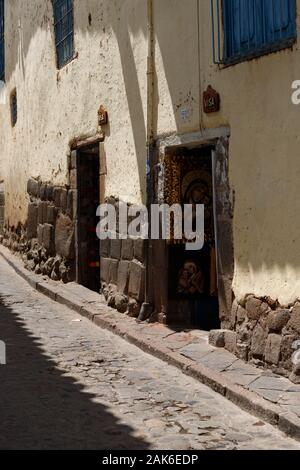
pixel 47 246
pixel 46 243
pixel 265 334
pixel 122 275
pixel 123 272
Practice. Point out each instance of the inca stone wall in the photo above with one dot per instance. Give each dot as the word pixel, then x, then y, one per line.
pixel 264 333
pixel 123 271
pixel 46 243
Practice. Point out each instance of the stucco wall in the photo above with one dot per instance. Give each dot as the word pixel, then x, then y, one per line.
pixel 55 107
pixel 264 159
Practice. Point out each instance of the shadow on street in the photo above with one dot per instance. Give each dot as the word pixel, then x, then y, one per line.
pixel 40 408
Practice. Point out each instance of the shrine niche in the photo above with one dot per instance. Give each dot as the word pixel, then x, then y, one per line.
pixel 192 274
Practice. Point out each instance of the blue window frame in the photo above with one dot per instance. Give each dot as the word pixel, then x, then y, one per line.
pixel 252 27
pixel 2 43
pixel 64 30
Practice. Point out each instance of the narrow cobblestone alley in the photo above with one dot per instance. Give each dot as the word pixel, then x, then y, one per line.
pixel 70 385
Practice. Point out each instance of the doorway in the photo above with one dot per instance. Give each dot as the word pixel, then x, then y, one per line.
pixel 192 275
pixel 88 184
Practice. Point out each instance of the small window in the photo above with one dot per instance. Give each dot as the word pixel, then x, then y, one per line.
pixel 2 45
pixel 64 30
pixel 14 108
pixel 252 27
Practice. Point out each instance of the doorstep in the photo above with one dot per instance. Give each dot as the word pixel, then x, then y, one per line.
pixel 270 397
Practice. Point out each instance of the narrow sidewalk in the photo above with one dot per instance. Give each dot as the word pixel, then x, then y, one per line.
pixel 261 393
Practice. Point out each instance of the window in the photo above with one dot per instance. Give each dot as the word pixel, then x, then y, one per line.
pixel 2 47
pixel 14 108
pixel 252 27
pixel 64 31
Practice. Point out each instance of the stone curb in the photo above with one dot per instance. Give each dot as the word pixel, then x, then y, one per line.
pixel 245 399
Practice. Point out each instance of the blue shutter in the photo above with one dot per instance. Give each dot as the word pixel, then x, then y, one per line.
pixel 280 20
pixel 2 44
pixel 255 25
pixel 243 28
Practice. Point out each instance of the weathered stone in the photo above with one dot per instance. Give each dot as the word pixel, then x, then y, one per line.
pixel 294 322
pixel 113 271
pixel 104 290
pixel 38 269
pixel 73 159
pixel 104 269
pixel 33 187
pixel 43 254
pixel 263 321
pixel 286 351
pixel 127 249
pixel 42 212
pixel 296 369
pixel 48 266
pixel 111 301
pixel 253 308
pixel 43 192
pixel 273 304
pixel 105 247
pixel 133 308
pixel 123 276
pixel 216 338
pixel 56 196
pixel 294 378
pixel 51 214
pixel 242 351
pixel 272 350
pixel 230 339
pixel 277 320
pixel 49 192
pixel 115 248
pixel 136 281
pixel 244 334
pixel 121 303
pixel 139 249
pixel 40 229
pixel 72 203
pixel 233 317
pixel 241 314
pixel 15 246
pixel 73 179
pixel 55 275
pixel 63 199
pixel 258 342
pixel 30 265
pixel 64 237
pixel 56 263
pixel 63 272
pixel 32 220
pixel 48 237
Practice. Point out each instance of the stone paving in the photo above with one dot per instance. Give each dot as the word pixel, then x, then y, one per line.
pixel 70 385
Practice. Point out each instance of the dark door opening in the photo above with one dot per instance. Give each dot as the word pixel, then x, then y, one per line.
pixel 88 259
pixel 192 275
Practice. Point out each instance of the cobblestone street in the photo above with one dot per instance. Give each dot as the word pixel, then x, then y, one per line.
pixel 70 385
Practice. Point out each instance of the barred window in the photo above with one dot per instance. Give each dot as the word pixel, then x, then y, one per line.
pixel 2 46
pixel 64 30
pixel 14 108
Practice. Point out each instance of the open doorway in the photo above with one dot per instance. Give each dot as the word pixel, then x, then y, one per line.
pixel 192 275
pixel 88 184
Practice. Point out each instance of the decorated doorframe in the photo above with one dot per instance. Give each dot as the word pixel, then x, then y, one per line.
pixel 168 190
